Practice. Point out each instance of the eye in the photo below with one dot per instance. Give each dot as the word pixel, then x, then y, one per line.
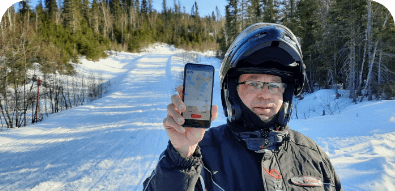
pixel 273 85
pixel 255 84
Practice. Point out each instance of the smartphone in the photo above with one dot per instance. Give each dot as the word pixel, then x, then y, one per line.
pixel 198 95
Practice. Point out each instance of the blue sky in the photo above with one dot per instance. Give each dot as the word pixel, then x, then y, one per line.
pixel 206 7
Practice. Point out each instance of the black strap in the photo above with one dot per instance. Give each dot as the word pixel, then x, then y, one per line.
pixel 259 141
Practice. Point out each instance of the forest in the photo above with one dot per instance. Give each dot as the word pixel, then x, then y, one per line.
pixel 346 44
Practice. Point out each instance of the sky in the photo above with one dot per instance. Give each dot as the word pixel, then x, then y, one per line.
pixel 206 7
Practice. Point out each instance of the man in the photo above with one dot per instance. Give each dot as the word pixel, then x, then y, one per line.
pixel 255 150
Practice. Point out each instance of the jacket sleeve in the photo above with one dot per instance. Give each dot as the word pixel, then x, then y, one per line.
pixel 336 181
pixel 174 172
pixel 330 173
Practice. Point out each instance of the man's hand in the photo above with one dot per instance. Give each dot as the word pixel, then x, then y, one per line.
pixel 184 140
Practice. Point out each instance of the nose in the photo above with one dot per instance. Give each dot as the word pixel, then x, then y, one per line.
pixel 264 93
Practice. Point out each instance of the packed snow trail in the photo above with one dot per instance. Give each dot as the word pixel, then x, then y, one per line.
pixel 110 144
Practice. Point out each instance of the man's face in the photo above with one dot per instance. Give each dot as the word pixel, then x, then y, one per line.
pixel 263 103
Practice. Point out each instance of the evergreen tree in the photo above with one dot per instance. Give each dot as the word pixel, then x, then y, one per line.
pixel 231 23
pixel 85 11
pixel 39 15
pixel 137 6
pixel 345 24
pixel 289 14
pixel 95 16
pixel 24 7
pixel 196 10
pixel 193 14
pixel 71 15
pixel 116 10
pixel 118 21
pixel 218 13
pixel 52 7
pixel 309 31
pixel 177 7
pixel 254 12
pixel 243 12
pixel 144 6
pixel 270 11
pixel 150 6
pixel 164 7
pixel 213 16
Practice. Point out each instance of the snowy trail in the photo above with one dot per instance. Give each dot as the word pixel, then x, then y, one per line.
pixel 110 144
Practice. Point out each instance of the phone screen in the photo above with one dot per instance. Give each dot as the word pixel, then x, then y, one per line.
pixel 198 93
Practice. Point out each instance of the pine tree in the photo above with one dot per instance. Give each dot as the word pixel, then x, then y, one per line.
pixel 164 7
pixel 309 31
pixel 231 23
pixel 144 6
pixel 289 14
pixel 116 10
pixel 24 7
pixel 95 16
pixel 71 15
pixel 213 16
pixel 85 11
pixel 254 12
pixel 52 7
pixel 345 45
pixel 196 10
pixel 193 14
pixel 150 6
pixel 39 15
pixel 270 11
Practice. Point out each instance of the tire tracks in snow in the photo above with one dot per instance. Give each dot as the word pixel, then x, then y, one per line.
pixel 161 136
pixel 103 176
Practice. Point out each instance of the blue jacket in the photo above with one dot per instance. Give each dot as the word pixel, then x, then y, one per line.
pixel 222 162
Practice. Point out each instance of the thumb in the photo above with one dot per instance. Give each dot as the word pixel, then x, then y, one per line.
pixel 214 112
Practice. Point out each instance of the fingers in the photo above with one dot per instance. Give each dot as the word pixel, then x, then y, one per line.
pixel 178 103
pixel 214 112
pixel 174 120
pixel 170 124
pixel 173 113
pixel 180 90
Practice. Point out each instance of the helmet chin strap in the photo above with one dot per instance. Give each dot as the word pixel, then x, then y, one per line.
pixel 263 141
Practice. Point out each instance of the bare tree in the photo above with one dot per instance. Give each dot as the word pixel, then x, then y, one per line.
pixel 371 55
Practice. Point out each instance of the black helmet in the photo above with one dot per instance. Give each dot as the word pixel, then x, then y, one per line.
pixel 262 48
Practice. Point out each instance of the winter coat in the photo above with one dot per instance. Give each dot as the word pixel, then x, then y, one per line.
pixel 222 162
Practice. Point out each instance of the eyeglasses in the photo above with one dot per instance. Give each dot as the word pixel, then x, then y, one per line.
pixel 257 86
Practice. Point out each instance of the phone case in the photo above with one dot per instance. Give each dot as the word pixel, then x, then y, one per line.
pixel 192 115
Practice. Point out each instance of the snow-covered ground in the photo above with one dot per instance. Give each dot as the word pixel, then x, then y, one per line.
pixel 113 143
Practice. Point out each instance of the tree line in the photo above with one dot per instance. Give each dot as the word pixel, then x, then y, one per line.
pixel 346 44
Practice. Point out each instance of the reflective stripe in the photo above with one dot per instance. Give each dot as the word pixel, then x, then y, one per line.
pixel 211 174
pixel 202 182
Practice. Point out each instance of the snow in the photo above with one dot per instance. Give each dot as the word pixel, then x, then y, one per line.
pixel 113 143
